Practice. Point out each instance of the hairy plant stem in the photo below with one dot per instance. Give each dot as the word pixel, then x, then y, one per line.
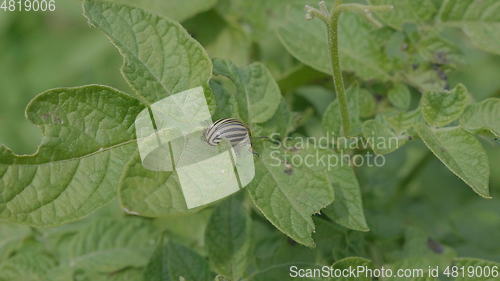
pixel 338 80
pixel 331 19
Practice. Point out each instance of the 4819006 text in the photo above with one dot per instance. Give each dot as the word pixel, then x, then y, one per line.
pixel 28 5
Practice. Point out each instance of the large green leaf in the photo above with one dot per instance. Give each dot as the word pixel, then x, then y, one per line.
pixel 482 116
pixel 227 239
pixel 174 262
pixel 442 108
pixel 480 20
pixel 257 94
pixel 160 57
pixel 178 10
pixel 406 11
pixel 289 194
pixel 462 153
pixel 361 47
pixel 88 137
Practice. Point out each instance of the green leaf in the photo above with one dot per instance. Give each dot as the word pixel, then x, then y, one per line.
pixel 232 44
pixel 279 125
pixel 109 245
pixel 400 96
pixel 331 122
pixel 462 153
pixel 434 48
pixel 302 118
pixel 482 116
pixel 191 234
pixel 406 11
pixel 480 20
pixel 367 104
pixel 223 100
pixel 381 138
pixel 275 254
pixel 64 274
pixel 442 108
pixel 128 274
pixel 160 57
pixel 361 46
pixel 227 239
pixel 402 122
pixel 288 195
pixel 172 262
pixel 305 40
pixel 280 122
pixel 88 138
pixel 178 10
pixel 258 17
pixel 149 193
pixel 27 265
pixel 418 254
pixel 222 37
pixel 427 79
pixel 474 263
pixel 258 96
pixel 347 210
pixel 11 237
pixel 352 262
pixel 317 96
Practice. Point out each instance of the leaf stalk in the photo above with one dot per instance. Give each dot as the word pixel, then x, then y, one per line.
pixel 338 80
pixel 331 19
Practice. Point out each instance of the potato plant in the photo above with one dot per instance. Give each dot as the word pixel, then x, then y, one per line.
pixel 385 76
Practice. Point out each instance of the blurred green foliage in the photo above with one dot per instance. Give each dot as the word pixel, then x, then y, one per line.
pixel 41 51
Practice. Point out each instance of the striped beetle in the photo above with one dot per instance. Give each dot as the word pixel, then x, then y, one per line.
pixel 229 129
